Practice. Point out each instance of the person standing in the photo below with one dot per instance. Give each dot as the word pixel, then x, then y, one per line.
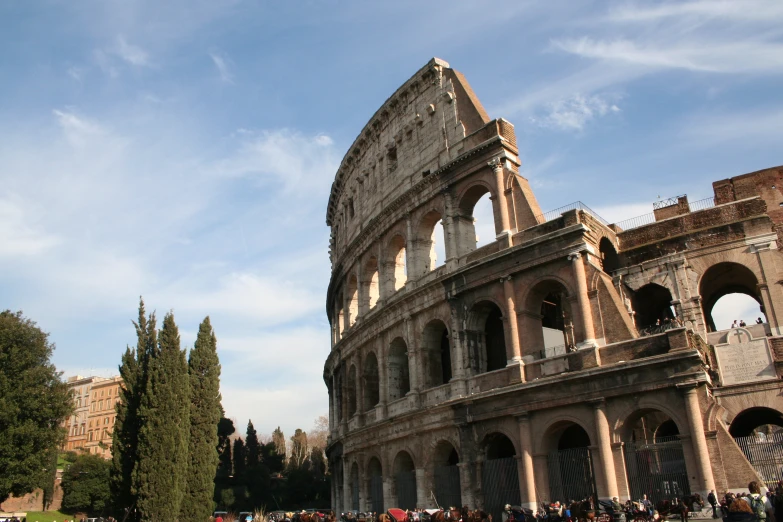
pixel 713 500
pixel 759 503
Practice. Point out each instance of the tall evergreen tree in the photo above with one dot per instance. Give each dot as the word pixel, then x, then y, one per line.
pixel 159 474
pixel 256 473
pixel 205 413
pixel 252 447
pixel 33 404
pixel 125 434
pixel 279 440
pixel 240 462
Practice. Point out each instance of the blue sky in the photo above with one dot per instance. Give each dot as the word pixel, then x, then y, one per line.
pixel 184 150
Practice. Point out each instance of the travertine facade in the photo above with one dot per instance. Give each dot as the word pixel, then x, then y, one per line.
pixel 444 383
pixel 90 427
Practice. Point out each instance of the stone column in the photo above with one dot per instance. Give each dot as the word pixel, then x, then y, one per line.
pixel 410 252
pixel 500 186
pixel 527 478
pixel 451 231
pixel 389 499
pixel 415 365
pixel 383 376
pixel 480 482
pixel 466 484
pixel 347 493
pixel 513 348
pixel 583 301
pixel 458 384
pixel 698 440
pixel 383 290
pixel 421 489
pixel 763 253
pixel 605 451
pixel 362 290
pixel 346 308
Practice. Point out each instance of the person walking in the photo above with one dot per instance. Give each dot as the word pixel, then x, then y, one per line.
pixel 759 503
pixel 713 500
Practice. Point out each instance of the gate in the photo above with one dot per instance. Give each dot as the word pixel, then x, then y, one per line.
pixel 376 494
pixel 405 482
pixel 447 489
pixel 355 495
pixel 656 469
pixel 500 483
pixel 765 454
pixel 571 475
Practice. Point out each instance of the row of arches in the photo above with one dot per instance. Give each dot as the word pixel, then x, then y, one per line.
pixel 474 227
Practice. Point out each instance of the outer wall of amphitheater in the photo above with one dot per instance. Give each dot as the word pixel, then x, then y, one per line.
pixel 567 358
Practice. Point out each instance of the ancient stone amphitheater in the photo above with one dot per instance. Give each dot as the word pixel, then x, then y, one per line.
pixel 566 358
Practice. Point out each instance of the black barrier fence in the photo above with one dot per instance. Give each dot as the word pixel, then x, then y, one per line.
pixel 376 494
pixel 500 483
pixel 405 482
pixel 656 469
pixel 765 454
pixel 447 488
pixel 355 495
pixel 571 474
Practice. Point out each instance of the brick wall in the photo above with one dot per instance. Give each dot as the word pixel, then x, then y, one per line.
pixel 767 184
pixel 635 349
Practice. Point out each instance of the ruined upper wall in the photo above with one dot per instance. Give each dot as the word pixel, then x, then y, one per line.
pixel 767 184
pixel 420 128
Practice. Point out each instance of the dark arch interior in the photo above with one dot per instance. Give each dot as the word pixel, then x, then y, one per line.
pixel 610 261
pixel 749 420
pixel 446 455
pixel 445 357
pixel 374 468
pixel 573 436
pixel 403 462
pixel 494 338
pixel 399 372
pixel 649 425
pixel 371 382
pixel 352 392
pixel 499 447
pixel 652 303
pixel 437 351
pixel 723 279
pixel 667 428
pixel 552 311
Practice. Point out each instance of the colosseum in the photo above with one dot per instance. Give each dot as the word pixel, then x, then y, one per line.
pixel 566 358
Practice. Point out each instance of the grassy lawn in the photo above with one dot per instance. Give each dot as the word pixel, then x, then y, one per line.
pixel 47 516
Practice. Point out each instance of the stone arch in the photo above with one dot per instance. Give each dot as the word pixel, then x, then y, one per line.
pixel 486 336
pixel 354 485
pixel 436 351
pixel 652 304
pixel 650 424
pixel 445 474
pixel 549 319
pixel 610 261
pixel 750 420
pixel 404 471
pixel 398 263
pixel 569 460
pixel 353 299
pixel 465 220
pixel 374 473
pixel 554 428
pixel 498 445
pixel 726 278
pixel 444 452
pixel 621 422
pixel 425 251
pixel 399 382
pixel 372 282
pixel 371 381
pixel 500 478
pixel 352 390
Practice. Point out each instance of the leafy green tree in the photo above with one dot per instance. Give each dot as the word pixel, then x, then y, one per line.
pixel 299 449
pixel 278 439
pixel 205 413
pixel 33 405
pixel 125 435
pixel 227 498
pixel 164 420
pixel 86 485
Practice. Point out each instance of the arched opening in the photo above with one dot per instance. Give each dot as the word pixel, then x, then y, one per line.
pixel 375 472
pixel 737 309
pixel 610 261
pixel 431 240
pixel 353 295
pixel 437 354
pixel 371 382
pixel 351 391
pixel 652 305
pixel 570 463
pixel 556 329
pixel 405 480
pixel 486 338
pixel 354 486
pixel 448 492
pixel 340 318
pixel 499 476
pixel 758 431
pixel 654 458
pixel 373 291
pixel 476 220
pixel 399 373
pixel 399 271
pixel 722 280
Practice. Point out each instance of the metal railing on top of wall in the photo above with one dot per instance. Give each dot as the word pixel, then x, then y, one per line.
pixel 648 219
pixel 576 205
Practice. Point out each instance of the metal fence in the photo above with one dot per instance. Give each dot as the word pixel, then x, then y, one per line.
pixel 571 475
pixel 405 482
pixel 656 469
pixel 500 483
pixel 648 219
pixel 447 488
pixel 355 495
pixel 702 204
pixel 765 453
pixel 376 493
pixel 576 205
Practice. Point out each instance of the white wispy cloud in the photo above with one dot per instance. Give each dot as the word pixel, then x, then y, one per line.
pixel 132 54
pixel 755 10
pixel 222 66
pixel 575 112
pixel 21 236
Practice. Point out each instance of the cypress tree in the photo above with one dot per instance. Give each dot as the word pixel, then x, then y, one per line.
pixel 252 447
pixel 240 467
pixel 164 411
pixel 205 413
pixel 125 434
pixel 225 430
